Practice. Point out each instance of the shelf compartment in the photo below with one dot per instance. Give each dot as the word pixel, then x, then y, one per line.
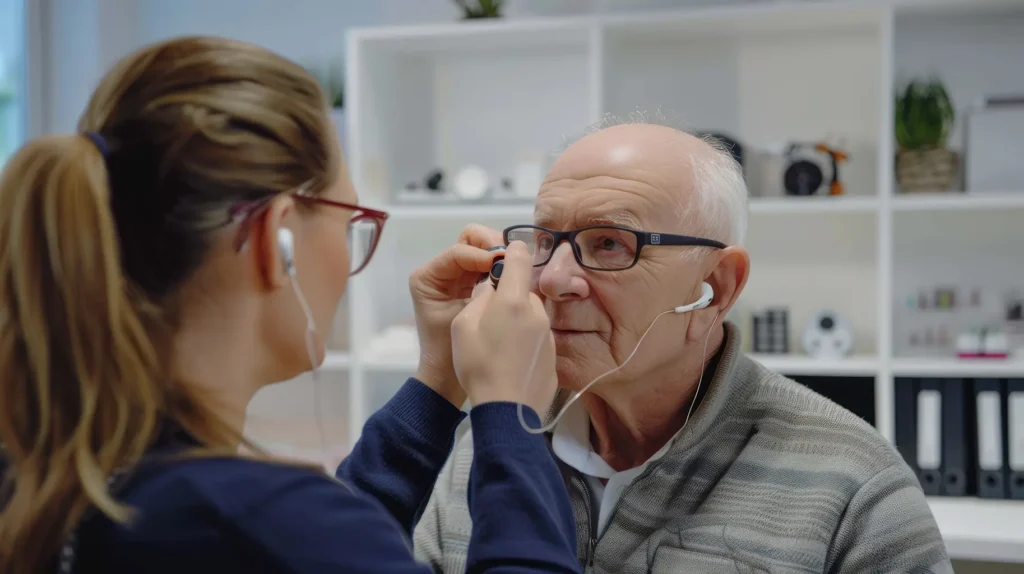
pixel 813 205
pixel 453 39
pixel 446 97
pixel 956 201
pixel 462 211
pixel 980 529
pixel 952 367
pixel 857 365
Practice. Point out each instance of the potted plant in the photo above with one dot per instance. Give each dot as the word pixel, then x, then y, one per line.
pixel 332 79
pixel 476 9
pixel 924 118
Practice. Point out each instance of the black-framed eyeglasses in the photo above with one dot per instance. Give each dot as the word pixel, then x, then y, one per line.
pixel 600 247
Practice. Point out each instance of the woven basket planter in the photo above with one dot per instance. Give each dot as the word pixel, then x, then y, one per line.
pixel 926 170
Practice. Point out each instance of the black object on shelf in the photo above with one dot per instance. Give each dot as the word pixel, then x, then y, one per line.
pixel 771 331
pixel 855 394
pixel 803 178
pixel 957 454
pixel 434 180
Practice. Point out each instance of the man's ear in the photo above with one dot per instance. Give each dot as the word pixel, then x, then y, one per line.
pixel 728 276
pixel 266 250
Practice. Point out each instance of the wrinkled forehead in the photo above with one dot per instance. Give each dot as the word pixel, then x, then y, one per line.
pixel 647 206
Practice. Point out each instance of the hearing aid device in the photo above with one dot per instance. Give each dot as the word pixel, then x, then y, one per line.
pixel 497 266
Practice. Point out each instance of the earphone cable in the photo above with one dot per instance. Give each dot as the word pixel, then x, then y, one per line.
pixel 551 425
pixel 315 370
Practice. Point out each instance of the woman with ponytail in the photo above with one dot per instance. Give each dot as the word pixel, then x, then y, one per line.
pixel 175 256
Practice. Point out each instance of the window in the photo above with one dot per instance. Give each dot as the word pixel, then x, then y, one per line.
pixel 12 76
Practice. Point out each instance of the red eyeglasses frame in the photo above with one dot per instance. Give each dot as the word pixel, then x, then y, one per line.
pixel 247 210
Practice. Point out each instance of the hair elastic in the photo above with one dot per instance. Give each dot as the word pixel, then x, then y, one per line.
pixel 98 141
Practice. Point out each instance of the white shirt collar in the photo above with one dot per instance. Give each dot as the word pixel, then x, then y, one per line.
pixel 570 442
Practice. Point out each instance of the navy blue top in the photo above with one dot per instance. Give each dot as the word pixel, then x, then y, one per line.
pixel 234 515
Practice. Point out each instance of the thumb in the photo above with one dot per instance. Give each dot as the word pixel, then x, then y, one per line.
pixel 482 295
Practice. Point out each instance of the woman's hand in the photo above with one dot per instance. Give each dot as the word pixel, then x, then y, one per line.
pixel 502 344
pixel 440 290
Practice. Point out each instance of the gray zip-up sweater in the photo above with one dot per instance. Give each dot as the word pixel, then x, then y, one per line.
pixel 766 477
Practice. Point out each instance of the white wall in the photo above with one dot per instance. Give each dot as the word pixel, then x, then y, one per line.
pixel 85 37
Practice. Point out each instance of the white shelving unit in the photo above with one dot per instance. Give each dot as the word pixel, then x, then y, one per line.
pixel 496 93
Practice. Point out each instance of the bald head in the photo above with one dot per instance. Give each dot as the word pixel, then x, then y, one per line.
pixel 686 179
pixel 660 151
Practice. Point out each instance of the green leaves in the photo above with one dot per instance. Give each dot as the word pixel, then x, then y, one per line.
pixel 924 116
pixel 332 79
pixel 481 8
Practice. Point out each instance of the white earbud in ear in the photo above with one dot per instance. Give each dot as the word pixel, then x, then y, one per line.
pixel 286 246
pixel 706 295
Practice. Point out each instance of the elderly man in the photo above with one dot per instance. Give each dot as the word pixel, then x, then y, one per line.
pixel 692 457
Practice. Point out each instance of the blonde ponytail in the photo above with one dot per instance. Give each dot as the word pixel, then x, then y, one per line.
pixel 78 367
pixel 95 249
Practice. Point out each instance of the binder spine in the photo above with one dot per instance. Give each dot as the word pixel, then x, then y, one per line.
pixel 1015 436
pixel 929 436
pixel 990 425
pixel 956 451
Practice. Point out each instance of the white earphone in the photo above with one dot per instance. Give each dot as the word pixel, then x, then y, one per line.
pixel 706 295
pixel 286 246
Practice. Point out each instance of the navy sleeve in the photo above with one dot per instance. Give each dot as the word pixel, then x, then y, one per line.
pixel 522 518
pixel 312 525
pixel 402 449
pixel 296 520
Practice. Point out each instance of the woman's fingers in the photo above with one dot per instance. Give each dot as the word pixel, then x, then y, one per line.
pixel 461 258
pixel 481 236
pixel 449 273
pixel 517 275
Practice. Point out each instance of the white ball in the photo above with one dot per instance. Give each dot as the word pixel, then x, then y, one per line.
pixel 471 183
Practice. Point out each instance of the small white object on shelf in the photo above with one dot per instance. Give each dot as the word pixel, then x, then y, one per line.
pixel 828 336
pixel 995 345
pixel 471 183
pixel 983 344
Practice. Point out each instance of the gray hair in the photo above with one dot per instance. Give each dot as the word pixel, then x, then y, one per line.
pixel 718 182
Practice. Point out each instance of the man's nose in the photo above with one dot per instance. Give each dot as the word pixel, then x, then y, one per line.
pixel 562 279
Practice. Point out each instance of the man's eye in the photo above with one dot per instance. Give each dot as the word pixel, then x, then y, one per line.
pixel 608 244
